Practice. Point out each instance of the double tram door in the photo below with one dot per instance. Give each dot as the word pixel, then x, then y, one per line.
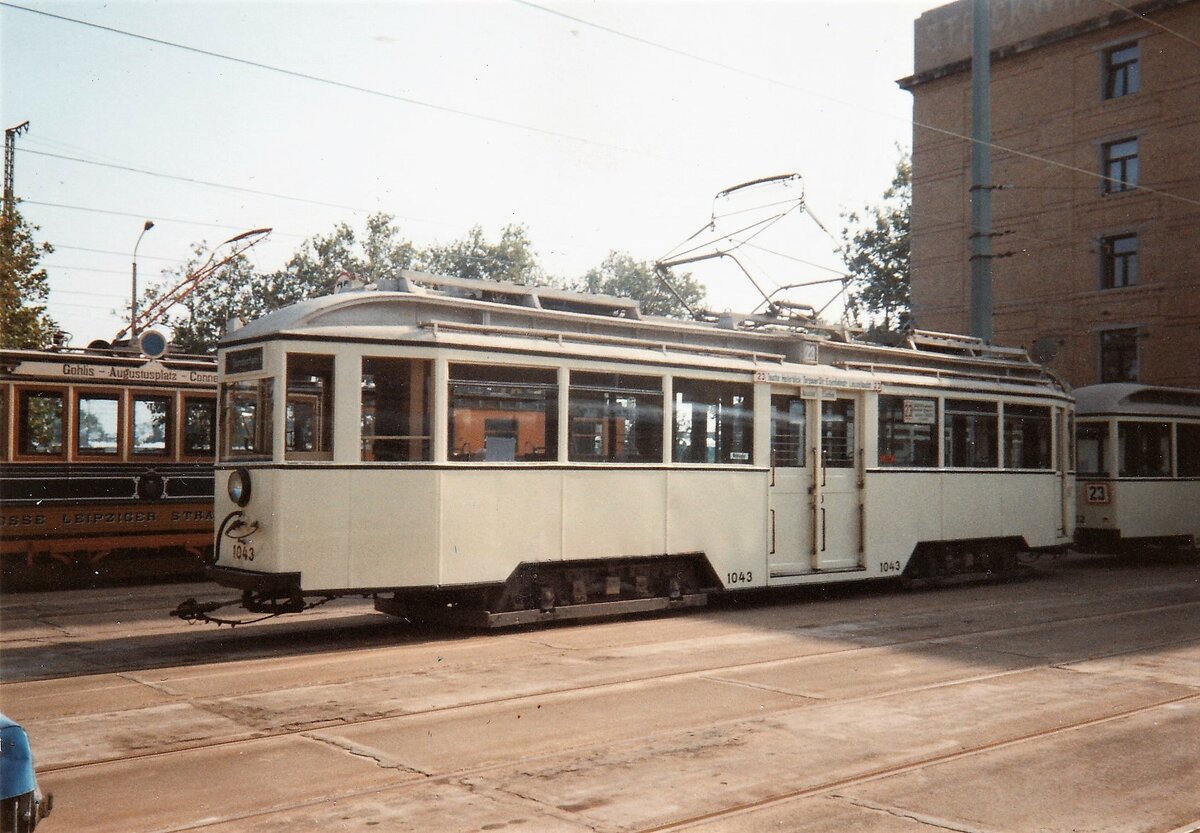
pixel 815 494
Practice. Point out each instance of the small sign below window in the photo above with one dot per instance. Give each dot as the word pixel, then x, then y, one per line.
pixel 920 412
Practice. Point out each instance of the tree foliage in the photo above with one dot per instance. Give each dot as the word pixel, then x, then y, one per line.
pixel 238 291
pixel 511 259
pixel 877 252
pixel 625 277
pixel 24 286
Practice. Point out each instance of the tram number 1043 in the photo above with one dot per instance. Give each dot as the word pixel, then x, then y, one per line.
pixel 739 578
pixel 243 552
pixel 890 566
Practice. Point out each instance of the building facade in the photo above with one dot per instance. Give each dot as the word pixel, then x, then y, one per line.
pixel 1095 115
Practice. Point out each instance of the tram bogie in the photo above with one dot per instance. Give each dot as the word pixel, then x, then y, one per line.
pixel 504 454
pixel 1139 468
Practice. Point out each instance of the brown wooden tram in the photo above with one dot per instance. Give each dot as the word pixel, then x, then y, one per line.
pixel 106 464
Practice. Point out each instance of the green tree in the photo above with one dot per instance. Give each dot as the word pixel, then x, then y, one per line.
pixel 625 277
pixel 24 286
pixel 238 291
pixel 877 252
pixel 512 259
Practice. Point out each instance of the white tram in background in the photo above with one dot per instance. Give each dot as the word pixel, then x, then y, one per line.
pixel 1139 467
pixel 502 454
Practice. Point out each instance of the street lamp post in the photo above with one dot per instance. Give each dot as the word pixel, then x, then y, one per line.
pixel 133 291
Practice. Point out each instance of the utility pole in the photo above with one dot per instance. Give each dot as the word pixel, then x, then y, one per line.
pixel 981 174
pixel 10 147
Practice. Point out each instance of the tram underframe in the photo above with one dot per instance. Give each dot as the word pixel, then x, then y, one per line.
pixel 942 562
pixel 549 591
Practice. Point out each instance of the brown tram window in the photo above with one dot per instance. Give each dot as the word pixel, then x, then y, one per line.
pixel 199 427
pixel 98 424
pixel 152 425
pixel 40 423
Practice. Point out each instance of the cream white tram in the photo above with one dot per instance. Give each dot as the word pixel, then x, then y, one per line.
pixel 508 454
pixel 1139 467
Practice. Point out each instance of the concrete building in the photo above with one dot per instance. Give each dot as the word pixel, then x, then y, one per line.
pixel 1096 183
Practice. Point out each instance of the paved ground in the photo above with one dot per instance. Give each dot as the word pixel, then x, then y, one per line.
pixel 1068 702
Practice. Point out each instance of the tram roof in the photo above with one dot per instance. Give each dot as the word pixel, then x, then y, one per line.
pixel 419 306
pixel 1127 398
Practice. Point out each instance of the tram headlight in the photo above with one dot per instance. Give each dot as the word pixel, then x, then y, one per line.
pixel 239 486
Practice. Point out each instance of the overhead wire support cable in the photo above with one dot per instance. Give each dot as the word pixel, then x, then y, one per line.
pixel 856 106
pixel 345 85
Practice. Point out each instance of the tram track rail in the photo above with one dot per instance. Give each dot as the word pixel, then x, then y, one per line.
pixel 712 672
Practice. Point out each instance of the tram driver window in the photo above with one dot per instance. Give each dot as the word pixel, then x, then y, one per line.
pixel 970 434
pixel 1091 448
pixel 615 418
pixel 1144 449
pixel 246 432
pixel 396 410
pixel 97 424
pixel 714 422
pixel 309 407
pixel 40 429
pixel 907 431
pixel 152 425
pixel 1027 437
pixel 503 414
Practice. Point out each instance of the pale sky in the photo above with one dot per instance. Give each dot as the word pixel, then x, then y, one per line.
pixel 610 131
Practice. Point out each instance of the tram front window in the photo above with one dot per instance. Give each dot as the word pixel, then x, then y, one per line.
pixel 503 414
pixel 309 407
pixel 396 410
pixel 41 423
pixel 97 424
pixel 246 425
pixel 615 418
pixel 714 422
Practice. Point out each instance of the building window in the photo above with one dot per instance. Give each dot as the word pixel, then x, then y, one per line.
pixel 1119 355
pixel 1120 166
pixel 1121 70
pixel 1119 261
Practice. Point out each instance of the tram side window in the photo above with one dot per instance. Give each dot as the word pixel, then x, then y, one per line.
pixel 1187 449
pixel 615 418
pixel 152 424
pixel 246 423
pixel 1144 449
pixel 1091 447
pixel 40 426
pixel 787 431
pixel 970 434
pixel 4 389
pixel 199 427
pixel 97 424
pixel 714 422
pixel 503 414
pixel 907 431
pixel 309 407
pixel 1027 437
pixel 396 410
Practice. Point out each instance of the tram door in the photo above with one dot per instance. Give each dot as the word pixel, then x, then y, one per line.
pixel 838 513
pixel 791 499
